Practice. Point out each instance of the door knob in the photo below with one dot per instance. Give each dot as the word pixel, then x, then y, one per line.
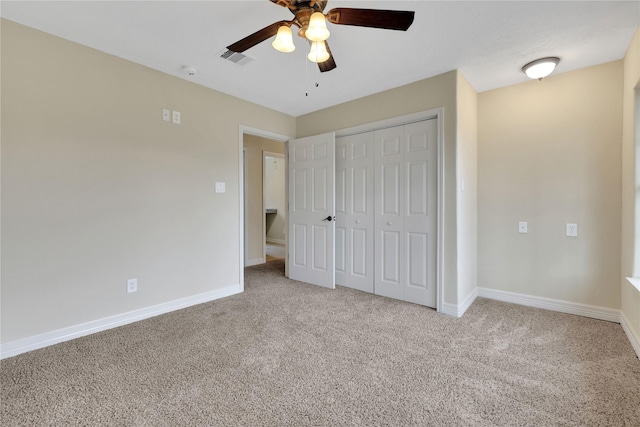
pixel 329 218
pixel 358 221
pixel 389 223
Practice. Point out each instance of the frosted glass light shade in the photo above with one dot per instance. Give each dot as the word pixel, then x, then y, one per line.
pixel 318 52
pixel 317 31
pixel 540 68
pixel 284 40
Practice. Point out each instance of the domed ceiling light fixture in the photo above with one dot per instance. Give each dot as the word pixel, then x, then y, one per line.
pixel 541 68
pixel 318 52
pixel 284 40
pixel 317 31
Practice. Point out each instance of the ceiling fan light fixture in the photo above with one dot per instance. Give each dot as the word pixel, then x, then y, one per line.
pixel 317 30
pixel 284 40
pixel 541 68
pixel 318 52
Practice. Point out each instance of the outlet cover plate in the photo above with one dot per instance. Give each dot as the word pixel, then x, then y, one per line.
pixel 132 285
pixel 522 227
pixel 572 230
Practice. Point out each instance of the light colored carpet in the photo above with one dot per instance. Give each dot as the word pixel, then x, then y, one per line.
pixel 289 354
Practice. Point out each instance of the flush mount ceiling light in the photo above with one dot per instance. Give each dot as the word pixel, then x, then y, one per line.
pixel 540 68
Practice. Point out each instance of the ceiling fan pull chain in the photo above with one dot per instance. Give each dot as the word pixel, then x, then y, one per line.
pixel 306 77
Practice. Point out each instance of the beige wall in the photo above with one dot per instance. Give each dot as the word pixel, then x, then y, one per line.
pixel 467 167
pixel 630 296
pixel 254 212
pixel 435 92
pixel 549 153
pixel 97 189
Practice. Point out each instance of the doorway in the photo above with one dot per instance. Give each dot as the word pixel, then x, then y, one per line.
pixel 253 142
pixel 274 202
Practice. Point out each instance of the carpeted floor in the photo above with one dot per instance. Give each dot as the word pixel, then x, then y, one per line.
pixel 289 354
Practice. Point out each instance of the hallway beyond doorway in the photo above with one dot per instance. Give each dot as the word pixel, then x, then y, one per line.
pixel 274 251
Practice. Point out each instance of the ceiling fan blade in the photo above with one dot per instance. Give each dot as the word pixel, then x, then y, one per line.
pixel 329 64
pixel 257 37
pixel 374 18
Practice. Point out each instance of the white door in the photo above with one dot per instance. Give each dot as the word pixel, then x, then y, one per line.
pixel 311 210
pixel 389 186
pixel 354 211
pixel 420 223
pixel 406 222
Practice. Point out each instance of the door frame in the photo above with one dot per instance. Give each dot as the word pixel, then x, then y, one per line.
pixel 242 130
pixel 438 115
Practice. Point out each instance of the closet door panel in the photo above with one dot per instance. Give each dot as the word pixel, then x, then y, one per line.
pixel 341 211
pixel 389 240
pixel 356 220
pixel 420 221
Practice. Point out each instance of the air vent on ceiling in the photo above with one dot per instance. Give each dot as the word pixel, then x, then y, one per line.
pixel 235 57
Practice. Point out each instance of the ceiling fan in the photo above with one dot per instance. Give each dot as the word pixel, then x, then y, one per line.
pixel 311 21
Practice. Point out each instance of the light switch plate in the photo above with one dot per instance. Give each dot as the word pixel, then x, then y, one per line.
pixel 166 114
pixel 522 227
pixel 220 187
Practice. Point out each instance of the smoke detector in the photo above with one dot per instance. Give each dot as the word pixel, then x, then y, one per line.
pixel 189 71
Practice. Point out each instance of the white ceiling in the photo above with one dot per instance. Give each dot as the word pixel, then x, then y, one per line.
pixel 488 41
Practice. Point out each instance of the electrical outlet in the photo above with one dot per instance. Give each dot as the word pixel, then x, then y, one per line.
pixel 132 285
pixel 572 230
pixel 176 117
pixel 522 227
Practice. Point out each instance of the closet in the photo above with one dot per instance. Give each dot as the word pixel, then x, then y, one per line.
pixel 386 212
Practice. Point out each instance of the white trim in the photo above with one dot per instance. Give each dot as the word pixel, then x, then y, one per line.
pixel 459 310
pixel 276 241
pixel 438 115
pixel 243 184
pixel 470 299
pixel 242 129
pixel 633 337
pixel 392 122
pixel 635 282
pixel 254 261
pixel 35 342
pixel 440 217
pixel 449 309
pixel 568 307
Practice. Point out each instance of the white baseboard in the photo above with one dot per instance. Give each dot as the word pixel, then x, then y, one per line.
pixel 254 261
pixel 458 310
pixel 277 241
pixel 35 342
pixel 633 337
pixel 585 310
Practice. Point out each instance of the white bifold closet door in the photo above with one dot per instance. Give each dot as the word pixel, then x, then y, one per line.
pixel 354 211
pixel 386 224
pixel 405 212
